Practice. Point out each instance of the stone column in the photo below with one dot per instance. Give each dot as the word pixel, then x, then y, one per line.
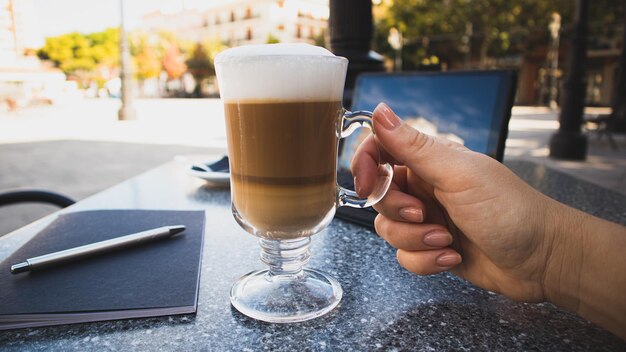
pixel 568 142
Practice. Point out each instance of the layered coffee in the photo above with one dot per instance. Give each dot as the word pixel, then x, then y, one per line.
pixel 282 107
pixel 283 163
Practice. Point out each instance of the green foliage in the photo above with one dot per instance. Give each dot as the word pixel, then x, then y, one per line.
pixel 146 56
pixel 498 27
pixel 75 52
pixel 200 64
pixel 320 39
pixel 271 39
pixel 105 46
pixel 212 47
pixel 604 19
pixel 94 57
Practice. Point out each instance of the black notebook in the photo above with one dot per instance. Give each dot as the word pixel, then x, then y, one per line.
pixel 152 279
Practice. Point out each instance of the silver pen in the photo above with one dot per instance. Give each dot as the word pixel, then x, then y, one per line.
pixel 92 249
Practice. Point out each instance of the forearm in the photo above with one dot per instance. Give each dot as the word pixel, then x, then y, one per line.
pixel 586 272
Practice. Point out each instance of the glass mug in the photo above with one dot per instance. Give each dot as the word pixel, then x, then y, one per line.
pixel 284 119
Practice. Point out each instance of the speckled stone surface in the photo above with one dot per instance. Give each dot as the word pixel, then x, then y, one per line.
pixel 384 307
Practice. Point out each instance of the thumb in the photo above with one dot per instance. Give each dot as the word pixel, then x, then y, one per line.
pixel 430 158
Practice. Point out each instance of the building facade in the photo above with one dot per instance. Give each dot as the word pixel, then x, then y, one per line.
pixel 239 22
pixel 184 24
pixel 262 21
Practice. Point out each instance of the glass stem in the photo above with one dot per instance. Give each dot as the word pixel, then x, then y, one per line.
pixel 285 257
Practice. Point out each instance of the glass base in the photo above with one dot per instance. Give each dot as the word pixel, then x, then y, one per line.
pixel 285 298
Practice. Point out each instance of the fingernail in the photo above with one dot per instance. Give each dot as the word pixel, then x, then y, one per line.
pixel 448 260
pixel 438 239
pixel 389 120
pixel 356 186
pixel 412 214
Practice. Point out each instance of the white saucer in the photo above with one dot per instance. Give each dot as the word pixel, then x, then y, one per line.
pixel 220 178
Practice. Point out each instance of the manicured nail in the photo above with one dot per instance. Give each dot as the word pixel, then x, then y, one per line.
pixel 389 121
pixel 438 239
pixel 448 260
pixel 412 214
pixel 357 187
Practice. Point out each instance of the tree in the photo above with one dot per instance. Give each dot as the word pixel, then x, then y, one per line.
pixel 174 62
pixel 146 58
pixel 320 39
pixel 84 56
pixel 70 52
pixel 495 27
pixel 200 66
pixel 105 47
pixel 271 39
pixel 214 47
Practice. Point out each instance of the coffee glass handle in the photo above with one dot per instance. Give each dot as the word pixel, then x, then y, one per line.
pixel 350 122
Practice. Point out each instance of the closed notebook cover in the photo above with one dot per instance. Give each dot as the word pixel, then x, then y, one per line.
pixel 155 278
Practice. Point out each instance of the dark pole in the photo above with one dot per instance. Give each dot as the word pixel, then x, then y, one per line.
pixel 568 142
pixel 619 102
pixel 351 29
pixel 127 111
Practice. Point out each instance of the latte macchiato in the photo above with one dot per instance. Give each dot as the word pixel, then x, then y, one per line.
pixel 282 113
pixel 284 119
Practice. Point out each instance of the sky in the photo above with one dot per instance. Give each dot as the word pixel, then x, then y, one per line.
pixel 55 17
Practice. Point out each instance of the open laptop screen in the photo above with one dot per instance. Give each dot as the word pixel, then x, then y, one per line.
pixel 468 107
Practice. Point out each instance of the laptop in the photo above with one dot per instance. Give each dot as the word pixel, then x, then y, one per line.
pixel 470 107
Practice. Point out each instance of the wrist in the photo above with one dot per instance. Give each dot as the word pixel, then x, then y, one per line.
pixel 584 268
pixel 564 245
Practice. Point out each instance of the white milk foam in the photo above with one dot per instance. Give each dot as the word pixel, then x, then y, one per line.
pixel 280 72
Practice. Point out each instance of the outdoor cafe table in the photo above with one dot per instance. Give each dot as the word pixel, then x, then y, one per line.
pixel 384 307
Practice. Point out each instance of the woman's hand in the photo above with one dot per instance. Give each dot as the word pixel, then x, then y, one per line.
pixel 453 209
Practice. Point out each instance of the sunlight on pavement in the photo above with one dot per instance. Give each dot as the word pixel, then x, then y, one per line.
pixel 159 121
pixel 526 124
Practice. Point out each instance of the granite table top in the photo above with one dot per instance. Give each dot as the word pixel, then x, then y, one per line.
pixel 384 307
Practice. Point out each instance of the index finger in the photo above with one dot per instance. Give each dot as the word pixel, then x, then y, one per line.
pixel 364 165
